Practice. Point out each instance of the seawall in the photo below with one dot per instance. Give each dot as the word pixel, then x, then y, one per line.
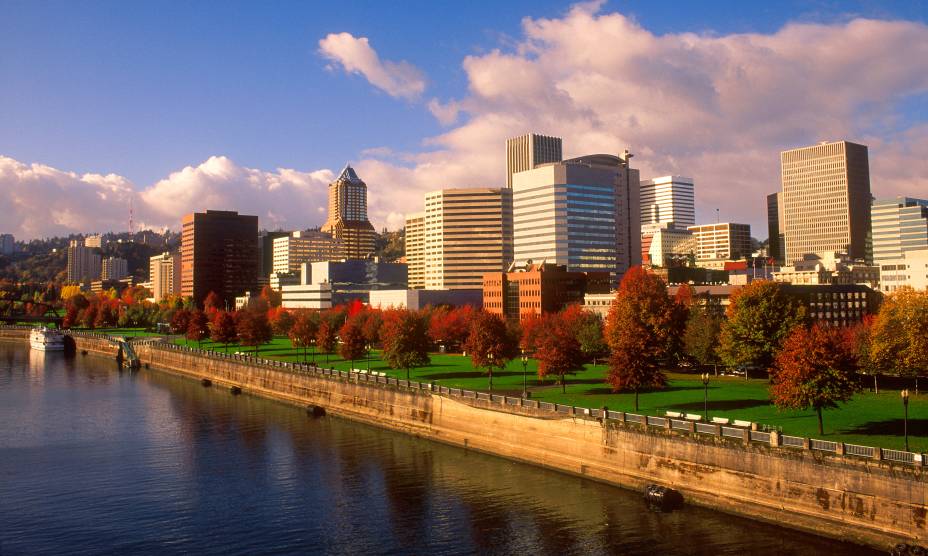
pixel 870 501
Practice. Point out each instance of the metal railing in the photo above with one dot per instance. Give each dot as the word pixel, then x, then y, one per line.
pixel 756 436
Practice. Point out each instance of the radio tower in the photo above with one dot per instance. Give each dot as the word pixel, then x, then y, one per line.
pixel 131 231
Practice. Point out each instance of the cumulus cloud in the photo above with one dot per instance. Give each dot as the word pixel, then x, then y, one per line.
pixel 44 201
pixel 718 108
pixel 355 55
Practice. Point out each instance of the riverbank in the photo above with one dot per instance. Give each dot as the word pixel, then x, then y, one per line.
pixel 871 501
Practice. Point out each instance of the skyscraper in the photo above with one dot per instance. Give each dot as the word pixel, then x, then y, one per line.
pixel 83 262
pixel 347 221
pixel 7 244
pixel 468 232
pixel 826 200
pixel 583 213
pixel 722 241
pixel 219 253
pixel 164 275
pixel 415 249
pixel 668 199
pixel 527 151
pixel 775 237
pixel 309 246
pixel 900 224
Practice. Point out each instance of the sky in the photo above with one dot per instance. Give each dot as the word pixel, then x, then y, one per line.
pixel 256 107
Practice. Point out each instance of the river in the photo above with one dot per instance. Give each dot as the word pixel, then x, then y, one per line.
pixel 96 460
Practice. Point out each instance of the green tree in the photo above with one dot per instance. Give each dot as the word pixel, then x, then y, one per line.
pixel 899 336
pixel 491 343
pixel 405 340
pixel 814 369
pixel 642 329
pixel 701 338
pixel 589 334
pixel 759 318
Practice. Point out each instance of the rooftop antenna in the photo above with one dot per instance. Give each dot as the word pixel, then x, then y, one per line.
pixel 716 215
pixel 131 224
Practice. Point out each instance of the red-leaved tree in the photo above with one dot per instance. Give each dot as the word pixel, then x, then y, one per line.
pixel 352 344
pixel 491 343
pixel 814 369
pixel 557 349
pixel 198 327
pixel 326 338
pixel 303 332
pixel 254 329
pixel 641 329
pixel 222 329
pixel 405 339
pixel 451 326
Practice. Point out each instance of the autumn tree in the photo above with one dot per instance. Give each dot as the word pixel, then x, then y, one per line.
pixel 198 327
pixel 759 318
pixel 372 322
pixel 281 320
pixel 326 338
pixel 180 320
pixel 352 344
pixel 212 304
pixel 271 297
pixel 532 326
pixel 899 336
pixel 222 329
pixel 857 340
pixel 89 314
pixel 701 337
pixel 303 332
pixel 642 327
pixel 405 340
pixel 814 369
pixel 491 343
pixel 557 350
pixel 450 326
pixel 254 329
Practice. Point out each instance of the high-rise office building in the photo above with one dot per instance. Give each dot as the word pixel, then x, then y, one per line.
pixel 468 232
pixel 826 200
pixel 164 275
pixel 899 224
pixel 722 241
pixel 219 253
pixel 307 246
pixel 347 221
pixel 83 262
pixel 94 241
pixel 775 236
pixel 669 199
pixel 7 244
pixel 266 251
pixel 415 249
pixel 114 268
pixel 527 151
pixel 583 213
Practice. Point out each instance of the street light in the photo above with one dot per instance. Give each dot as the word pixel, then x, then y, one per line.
pixel 367 352
pixel 524 368
pixel 905 423
pixel 490 357
pixel 705 384
pixel 312 344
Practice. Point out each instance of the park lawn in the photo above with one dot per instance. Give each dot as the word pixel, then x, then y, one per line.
pixel 869 419
pixel 127 332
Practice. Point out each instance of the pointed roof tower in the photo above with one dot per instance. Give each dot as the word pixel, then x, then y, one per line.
pixel 348 174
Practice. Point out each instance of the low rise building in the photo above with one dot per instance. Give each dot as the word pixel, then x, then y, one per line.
pixel 538 288
pixel 341 282
pixel 415 299
pixel 599 303
pixel 908 271
pixel 832 268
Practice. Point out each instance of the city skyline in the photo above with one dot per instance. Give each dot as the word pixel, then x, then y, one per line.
pixel 442 118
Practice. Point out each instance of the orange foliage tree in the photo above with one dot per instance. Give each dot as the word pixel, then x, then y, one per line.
pixel 814 369
pixel 557 350
pixel 491 343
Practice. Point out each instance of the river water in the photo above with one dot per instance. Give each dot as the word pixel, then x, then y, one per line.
pixel 95 460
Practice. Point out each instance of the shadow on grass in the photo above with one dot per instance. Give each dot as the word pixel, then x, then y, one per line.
pixel 607 390
pixel 720 405
pixel 893 427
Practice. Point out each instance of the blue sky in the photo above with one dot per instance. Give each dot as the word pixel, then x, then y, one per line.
pixel 143 90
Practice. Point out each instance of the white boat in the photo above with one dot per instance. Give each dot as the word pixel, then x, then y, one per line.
pixel 46 339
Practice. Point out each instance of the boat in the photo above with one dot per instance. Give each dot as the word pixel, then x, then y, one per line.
pixel 46 339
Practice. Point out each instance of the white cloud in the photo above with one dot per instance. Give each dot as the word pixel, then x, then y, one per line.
pixel 355 55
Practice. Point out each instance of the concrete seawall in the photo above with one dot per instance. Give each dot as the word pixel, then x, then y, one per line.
pixel 872 502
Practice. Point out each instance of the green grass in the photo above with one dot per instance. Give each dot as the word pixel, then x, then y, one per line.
pixel 127 332
pixel 869 419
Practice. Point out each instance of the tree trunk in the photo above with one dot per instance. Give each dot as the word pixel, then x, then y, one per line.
pixel 563 384
pixel 821 429
pixel 407 373
pixel 636 399
pixel 491 379
pixel 876 388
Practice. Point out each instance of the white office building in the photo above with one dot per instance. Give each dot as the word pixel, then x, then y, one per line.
pixel 899 224
pixel 668 199
pixel 910 270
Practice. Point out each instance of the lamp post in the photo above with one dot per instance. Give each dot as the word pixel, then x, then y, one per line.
pixel 490 358
pixel 905 422
pixel 705 385
pixel 312 344
pixel 524 370
pixel 367 352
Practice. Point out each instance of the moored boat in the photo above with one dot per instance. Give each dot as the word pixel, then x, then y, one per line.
pixel 46 339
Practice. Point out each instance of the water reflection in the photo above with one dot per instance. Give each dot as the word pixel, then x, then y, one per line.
pixel 156 463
